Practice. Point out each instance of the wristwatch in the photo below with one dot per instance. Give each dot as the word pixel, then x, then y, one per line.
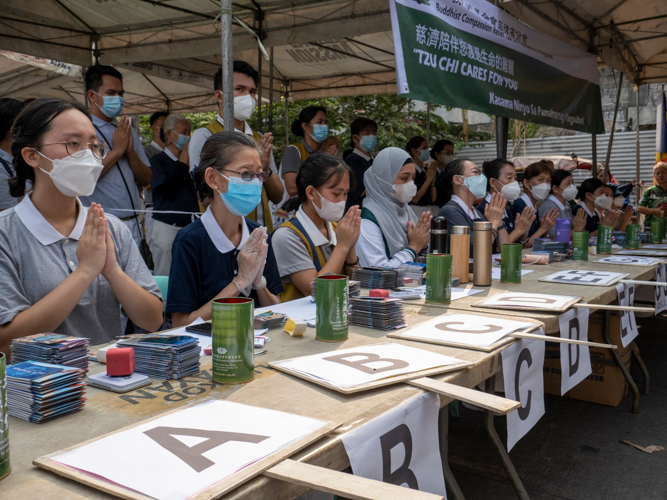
pixel 261 285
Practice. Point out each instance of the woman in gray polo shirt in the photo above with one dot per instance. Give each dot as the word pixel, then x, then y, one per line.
pixel 64 268
pixel 318 239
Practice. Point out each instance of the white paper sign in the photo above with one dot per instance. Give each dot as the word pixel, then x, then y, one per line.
pixel 495 272
pixel 523 365
pixel 466 329
pixel 302 308
pixel 649 253
pixel 629 260
pixel 577 277
pixel 575 360
pixel 626 297
pixel 656 246
pixel 457 293
pixel 400 447
pixel 516 300
pixel 660 291
pixel 360 365
pixel 188 451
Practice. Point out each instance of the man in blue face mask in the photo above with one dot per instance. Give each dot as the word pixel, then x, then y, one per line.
pixel 126 166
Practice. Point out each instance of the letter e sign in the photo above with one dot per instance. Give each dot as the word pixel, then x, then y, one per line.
pixel 523 363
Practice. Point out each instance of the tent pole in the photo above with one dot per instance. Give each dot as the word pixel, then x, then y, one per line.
pixel 594 153
pixel 227 63
pixel 286 113
pixel 638 172
pixel 613 127
pixel 428 122
pixel 502 123
pixel 271 91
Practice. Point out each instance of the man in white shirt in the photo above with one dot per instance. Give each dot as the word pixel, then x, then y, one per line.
pixel 245 95
pixel 126 166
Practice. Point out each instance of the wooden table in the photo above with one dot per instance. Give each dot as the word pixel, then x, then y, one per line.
pixel 107 411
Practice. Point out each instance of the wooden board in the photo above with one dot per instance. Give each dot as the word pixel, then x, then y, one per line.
pixel 340 483
pixel 508 339
pixel 564 308
pixel 214 491
pixel 371 385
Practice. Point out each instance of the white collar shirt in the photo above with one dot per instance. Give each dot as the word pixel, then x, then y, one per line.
pixel 40 228
pixel 217 235
pixel 472 213
pixel 314 233
pixel 157 146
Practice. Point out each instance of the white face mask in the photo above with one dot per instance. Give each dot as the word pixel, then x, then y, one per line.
pixel 511 191
pixel 405 192
pixel 330 211
pixel 603 201
pixel 244 107
pixel 446 159
pixel 75 176
pixel 570 192
pixel 541 191
pixel 619 201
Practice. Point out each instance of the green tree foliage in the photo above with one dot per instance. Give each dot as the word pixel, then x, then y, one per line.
pixel 397 119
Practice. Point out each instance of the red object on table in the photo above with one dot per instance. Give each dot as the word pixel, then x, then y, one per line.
pixel 379 292
pixel 120 362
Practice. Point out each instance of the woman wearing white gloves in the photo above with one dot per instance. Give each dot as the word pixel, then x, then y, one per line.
pixel 391 233
pixel 223 254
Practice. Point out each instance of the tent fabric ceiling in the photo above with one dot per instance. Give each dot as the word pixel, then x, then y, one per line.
pixel 169 50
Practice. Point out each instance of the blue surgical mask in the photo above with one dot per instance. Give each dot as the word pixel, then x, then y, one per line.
pixel 320 133
pixel 113 105
pixel 476 185
pixel 424 155
pixel 368 142
pixel 242 196
pixel 182 141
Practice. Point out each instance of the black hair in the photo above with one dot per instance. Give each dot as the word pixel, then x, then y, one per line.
pixel 453 168
pixel 95 73
pixel 238 67
pixel 491 170
pixel 156 116
pixel 537 168
pixel 219 151
pixel 558 177
pixel 29 128
pixel 305 116
pixel 359 125
pixel 414 143
pixel 317 170
pixel 439 146
pixel 9 110
pixel 588 186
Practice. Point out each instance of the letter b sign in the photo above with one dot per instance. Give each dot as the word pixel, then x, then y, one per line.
pixel 398 475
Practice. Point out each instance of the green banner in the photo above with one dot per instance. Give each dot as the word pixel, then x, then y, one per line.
pixel 472 55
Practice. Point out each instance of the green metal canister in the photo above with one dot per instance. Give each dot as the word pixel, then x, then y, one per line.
pixel 580 245
pixel 510 263
pixel 657 230
pixel 332 303
pixel 604 239
pixel 632 236
pixel 5 469
pixel 439 278
pixel 233 332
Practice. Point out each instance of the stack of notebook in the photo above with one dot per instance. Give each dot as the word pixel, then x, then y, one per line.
pixel 377 277
pixel 414 271
pixel 164 356
pixel 51 348
pixel 38 392
pixel 377 313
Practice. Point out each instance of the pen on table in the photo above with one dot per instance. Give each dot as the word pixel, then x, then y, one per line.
pixel 259 353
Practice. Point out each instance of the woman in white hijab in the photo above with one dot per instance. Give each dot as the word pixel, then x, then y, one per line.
pixel 391 234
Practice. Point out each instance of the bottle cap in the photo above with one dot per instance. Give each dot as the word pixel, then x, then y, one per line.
pixel 482 226
pixel 460 230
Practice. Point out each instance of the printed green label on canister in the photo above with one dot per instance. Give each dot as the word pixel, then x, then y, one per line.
pixel 332 308
pixel 233 337
pixel 657 230
pixel 604 239
pixel 5 469
pixel 510 263
pixel 438 278
pixel 632 236
pixel 580 245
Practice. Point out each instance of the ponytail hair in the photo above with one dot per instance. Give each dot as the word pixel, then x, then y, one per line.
pixel 305 116
pixel 491 170
pixel 28 130
pixel 317 170
pixel 453 168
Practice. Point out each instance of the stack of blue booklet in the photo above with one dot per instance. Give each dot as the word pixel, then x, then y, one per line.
pixel 38 392
pixel 164 356
pixel 51 348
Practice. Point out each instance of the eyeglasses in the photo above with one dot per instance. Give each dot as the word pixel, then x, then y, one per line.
pixel 249 175
pixel 76 147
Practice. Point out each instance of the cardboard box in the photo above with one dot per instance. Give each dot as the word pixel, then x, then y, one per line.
pixel 606 385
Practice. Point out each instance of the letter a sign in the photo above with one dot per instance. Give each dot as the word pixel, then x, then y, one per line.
pixel 523 363
pixel 401 446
